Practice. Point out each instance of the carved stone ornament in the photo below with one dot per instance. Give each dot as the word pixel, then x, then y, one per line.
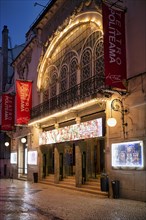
pixel 23 67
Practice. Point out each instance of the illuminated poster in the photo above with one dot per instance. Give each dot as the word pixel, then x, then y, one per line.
pixel 32 157
pixel 13 158
pixel 8 101
pixel 84 130
pixel 114 46
pixel 23 101
pixel 127 154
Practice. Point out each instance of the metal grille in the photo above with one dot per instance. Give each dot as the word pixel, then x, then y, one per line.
pixel 73 73
pixel 64 78
pixel 78 92
pixel 86 65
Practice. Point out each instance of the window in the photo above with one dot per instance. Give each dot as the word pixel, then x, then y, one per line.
pixel 86 65
pixel 99 64
pixel 53 86
pixel 64 78
pixel 73 72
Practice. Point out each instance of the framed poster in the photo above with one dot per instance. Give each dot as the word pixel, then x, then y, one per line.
pixel 13 158
pixel 32 157
pixel 128 154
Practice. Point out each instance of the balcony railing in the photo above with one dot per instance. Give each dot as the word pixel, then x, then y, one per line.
pixel 70 96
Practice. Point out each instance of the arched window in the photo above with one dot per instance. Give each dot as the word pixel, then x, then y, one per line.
pixel 64 78
pixel 46 89
pixel 86 72
pixel 99 59
pixel 99 64
pixel 86 64
pixel 53 86
pixel 73 73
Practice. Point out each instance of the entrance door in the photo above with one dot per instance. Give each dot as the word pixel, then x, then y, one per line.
pixel 102 156
pixel 83 167
pixel 22 157
pixel 44 165
pixel 98 158
pixel 61 165
pixel 69 160
pixel 25 161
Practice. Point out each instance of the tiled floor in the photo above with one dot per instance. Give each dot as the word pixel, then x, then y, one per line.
pixel 21 200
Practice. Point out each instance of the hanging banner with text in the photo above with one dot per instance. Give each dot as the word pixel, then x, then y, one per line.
pixel 114 47
pixel 23 101
pixel 8 105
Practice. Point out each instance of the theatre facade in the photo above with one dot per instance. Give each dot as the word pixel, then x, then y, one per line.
pixel 87 119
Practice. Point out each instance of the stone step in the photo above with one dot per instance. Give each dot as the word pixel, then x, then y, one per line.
pixel 92 186
pixel 23 177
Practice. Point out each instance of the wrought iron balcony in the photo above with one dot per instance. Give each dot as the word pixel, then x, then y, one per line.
pixel 77 93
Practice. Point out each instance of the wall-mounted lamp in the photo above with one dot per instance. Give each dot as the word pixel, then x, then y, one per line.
pixel 23 140
pixel 111 122
pixel 117 105
pixel 6 144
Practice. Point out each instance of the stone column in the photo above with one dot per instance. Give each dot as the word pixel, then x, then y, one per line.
pixel 78 174
pixel 56 165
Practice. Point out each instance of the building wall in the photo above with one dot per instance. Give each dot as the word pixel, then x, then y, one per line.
pixel 132 182
pixel 136 37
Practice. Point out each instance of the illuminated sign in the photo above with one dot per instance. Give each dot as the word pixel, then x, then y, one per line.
pixel 32 157
pixel 13 158
pixel 128 154
pixel 84 130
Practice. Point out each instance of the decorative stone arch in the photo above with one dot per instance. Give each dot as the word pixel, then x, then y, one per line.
pixel 47 81
pixel 68 56
pixel 75 22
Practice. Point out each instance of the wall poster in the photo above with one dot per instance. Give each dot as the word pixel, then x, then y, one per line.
pixel 128 154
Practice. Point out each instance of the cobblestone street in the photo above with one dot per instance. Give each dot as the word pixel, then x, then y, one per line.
pixel 34 201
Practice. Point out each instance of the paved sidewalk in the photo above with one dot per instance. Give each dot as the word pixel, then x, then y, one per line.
pixel 20 200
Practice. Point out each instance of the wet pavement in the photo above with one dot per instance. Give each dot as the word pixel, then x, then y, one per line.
pixel 21 200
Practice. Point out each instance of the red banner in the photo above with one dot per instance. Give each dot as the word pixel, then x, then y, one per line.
pixel 23 101
pixel 114 47
pixel 8 114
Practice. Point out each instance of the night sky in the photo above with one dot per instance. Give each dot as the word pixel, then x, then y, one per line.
pixel 18 16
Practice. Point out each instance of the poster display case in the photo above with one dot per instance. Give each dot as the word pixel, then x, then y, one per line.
pixel 127 154
pixel 13 158
pixel 32 157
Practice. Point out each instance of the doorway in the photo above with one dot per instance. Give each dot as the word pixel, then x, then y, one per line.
pixel 44 165
pixel 83 167
pixel 61 165
pixel 98 157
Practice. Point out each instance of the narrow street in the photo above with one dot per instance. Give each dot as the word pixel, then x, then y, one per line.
pixel 34 201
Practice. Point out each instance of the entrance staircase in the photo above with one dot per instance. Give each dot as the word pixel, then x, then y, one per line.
pixel 23 177
pixel 92 186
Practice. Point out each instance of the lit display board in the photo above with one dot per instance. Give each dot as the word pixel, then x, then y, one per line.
pixel 13 158
pixel 128 154
pixel 84 130
pixel 32 157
